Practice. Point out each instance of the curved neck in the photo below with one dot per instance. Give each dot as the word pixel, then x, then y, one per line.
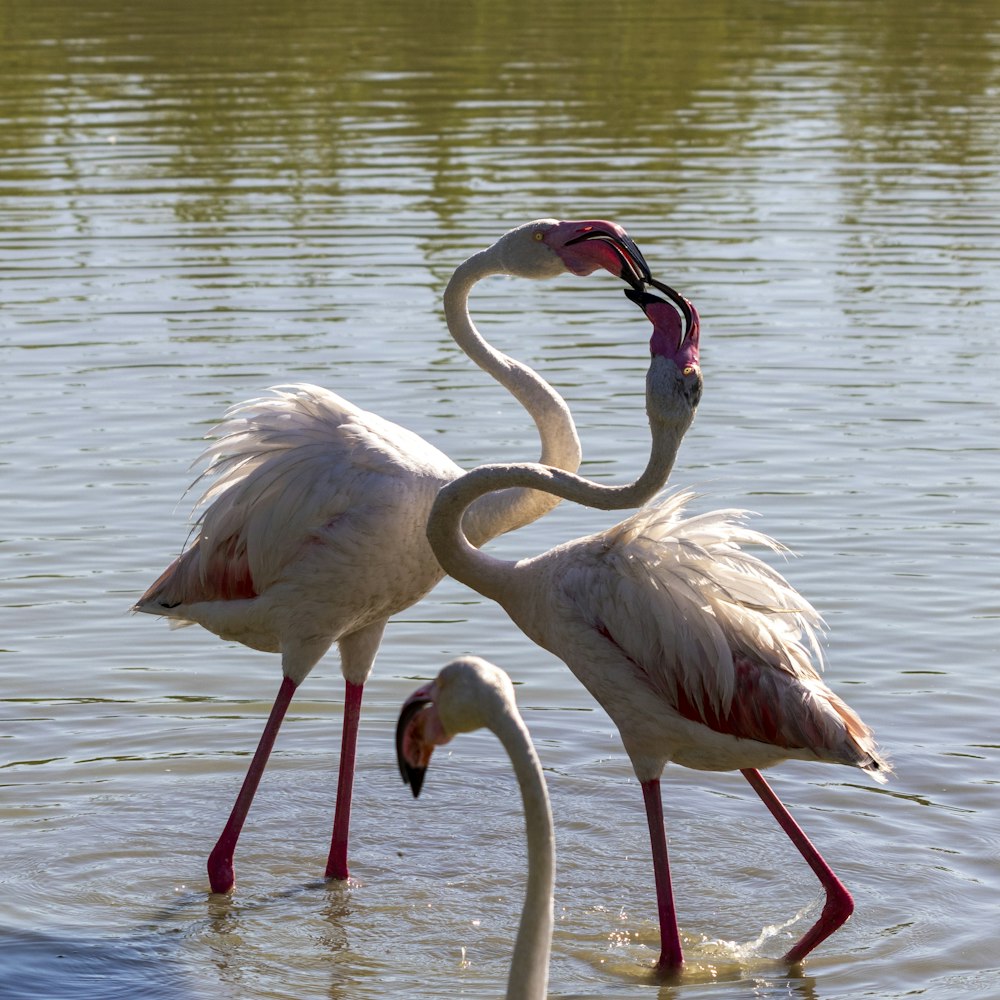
pixel 492 577
pixel 502 512
pixel 529 968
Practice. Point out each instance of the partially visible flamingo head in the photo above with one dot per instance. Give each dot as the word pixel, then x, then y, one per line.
pixel 465 696
pixel 676 325
pixel 547 247
pixel 674 383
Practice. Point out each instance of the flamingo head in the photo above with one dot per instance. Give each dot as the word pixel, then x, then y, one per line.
pixel 676 326
pixel 465 696
pixel 547 247
pixel 673 383
pixel 418 731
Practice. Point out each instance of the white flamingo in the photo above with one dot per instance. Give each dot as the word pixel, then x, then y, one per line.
pixel 699 652
pixel 468 694
pixel 314 531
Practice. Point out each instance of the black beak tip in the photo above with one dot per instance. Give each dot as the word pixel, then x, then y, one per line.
pixel 671 293
pixel 415 779
pixel 676 297
pixel 637 282
pixel 634 259
pixel 641 297
pixel 412 776
pixel 635 270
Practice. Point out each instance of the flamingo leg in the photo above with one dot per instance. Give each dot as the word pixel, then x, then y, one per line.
pixel 671 954
pixel 839 905
pixel 220 862
pixel 336 864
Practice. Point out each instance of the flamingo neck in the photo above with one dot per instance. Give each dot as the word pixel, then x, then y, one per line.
pixel 495 578
pixel 529 969
pixel 560 445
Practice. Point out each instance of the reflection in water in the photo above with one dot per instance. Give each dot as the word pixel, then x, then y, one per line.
pixel 225 940
pixel 230 938
pixel 247 105
pixel 334 941
pixel 736 981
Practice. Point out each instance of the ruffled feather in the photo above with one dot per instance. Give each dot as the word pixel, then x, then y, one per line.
pixel 719 633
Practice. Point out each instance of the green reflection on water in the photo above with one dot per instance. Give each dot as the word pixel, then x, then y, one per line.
pixel 260 99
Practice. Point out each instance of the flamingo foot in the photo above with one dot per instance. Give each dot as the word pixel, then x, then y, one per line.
pixel 668 968
pixel 336 863
pixel 839 905
pixel 221 876
pixel 837 909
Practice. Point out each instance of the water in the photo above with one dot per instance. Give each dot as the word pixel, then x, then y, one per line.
pixel 198 201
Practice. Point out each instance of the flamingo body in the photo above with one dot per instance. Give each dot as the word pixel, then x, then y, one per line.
pixel 313 525
pixel 309 492
pixel 699 651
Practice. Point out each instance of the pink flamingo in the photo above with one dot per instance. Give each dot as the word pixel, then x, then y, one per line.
pixel 699 652
pixel 314 531
pixel 469 694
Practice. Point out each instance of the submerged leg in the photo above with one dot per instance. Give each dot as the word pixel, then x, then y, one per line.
pixel 220 861
pixel 336 864
pixel 839 904
pixel 671 955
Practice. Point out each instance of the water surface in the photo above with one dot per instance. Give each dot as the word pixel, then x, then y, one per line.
pixel 199 201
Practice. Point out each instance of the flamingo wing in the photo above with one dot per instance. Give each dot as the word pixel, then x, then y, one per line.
pixel 284 471
pixel 714 631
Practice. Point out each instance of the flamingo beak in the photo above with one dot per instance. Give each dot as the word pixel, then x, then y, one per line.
pixel 410 745
pixel 678 300
pixel 634 268
pixel 644 300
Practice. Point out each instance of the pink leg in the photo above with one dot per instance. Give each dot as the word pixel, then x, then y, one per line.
pixel 671 955
pixel 839 904
pixel 336 864
pixel 220 861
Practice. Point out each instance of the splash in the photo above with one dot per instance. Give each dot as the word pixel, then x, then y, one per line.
pixel 734 951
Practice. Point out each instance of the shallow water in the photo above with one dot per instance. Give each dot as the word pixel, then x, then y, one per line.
pixel 198 201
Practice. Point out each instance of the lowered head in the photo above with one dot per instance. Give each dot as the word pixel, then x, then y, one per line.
pixel 466 695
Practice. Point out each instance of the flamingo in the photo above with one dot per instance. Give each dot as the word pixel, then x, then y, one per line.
pixel 699 652
pixel 468 694
pixel 312 530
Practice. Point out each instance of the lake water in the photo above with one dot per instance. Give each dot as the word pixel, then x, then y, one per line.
pixel 201 200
